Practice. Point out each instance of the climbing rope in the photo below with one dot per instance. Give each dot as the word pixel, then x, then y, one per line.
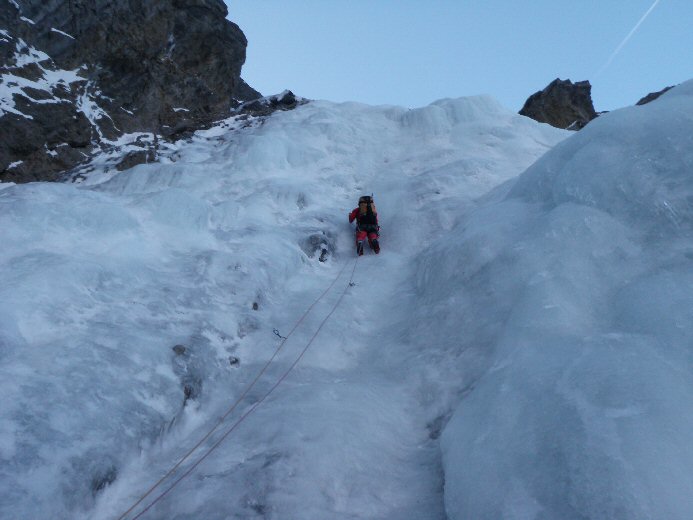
pixel 241 397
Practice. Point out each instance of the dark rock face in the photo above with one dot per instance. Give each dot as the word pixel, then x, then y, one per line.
pixel 76 74
pixel 653 95
pixel 562 104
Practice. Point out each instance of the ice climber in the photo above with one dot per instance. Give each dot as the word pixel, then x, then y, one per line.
pixel 366 217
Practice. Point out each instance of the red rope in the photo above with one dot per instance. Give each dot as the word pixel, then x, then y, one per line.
pixel 238 401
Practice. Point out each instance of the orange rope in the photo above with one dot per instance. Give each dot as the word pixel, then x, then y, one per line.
pixel 240 420
pixel 232 407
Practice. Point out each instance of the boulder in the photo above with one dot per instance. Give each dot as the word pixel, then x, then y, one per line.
pixel 562 104
pixel 264 106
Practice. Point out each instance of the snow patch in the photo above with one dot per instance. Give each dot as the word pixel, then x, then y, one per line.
pixel 87 103
pixel 14 85
pixel 26 54
pixel 53 29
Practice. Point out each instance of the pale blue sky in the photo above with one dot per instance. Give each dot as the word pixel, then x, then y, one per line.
pixel 412 52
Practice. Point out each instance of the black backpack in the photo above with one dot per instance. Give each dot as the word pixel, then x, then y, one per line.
pixel 367 217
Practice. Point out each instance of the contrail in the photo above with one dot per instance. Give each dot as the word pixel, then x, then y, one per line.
pixel 628 37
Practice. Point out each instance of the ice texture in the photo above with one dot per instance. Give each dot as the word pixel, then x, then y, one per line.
pixel 574 297
pixel 519 349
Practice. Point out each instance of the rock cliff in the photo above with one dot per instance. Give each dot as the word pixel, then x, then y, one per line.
pixel 77 75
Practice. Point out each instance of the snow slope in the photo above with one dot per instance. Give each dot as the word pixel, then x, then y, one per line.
pixel 548 313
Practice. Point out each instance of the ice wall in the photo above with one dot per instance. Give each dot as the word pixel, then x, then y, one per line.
pixel 573 298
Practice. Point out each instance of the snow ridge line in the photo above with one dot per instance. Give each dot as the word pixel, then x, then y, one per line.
pixel 241 397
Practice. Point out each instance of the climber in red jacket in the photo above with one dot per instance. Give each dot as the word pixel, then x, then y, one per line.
pixel 367 226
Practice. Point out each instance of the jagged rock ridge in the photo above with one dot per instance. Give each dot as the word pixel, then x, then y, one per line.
pixel 653 95
pixel 74 75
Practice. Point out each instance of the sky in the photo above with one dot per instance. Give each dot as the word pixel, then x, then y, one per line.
pixel 413 52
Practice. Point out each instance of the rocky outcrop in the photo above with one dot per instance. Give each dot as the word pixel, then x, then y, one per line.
pixel 652 96
pixel 75 75
pixel 150 147
pixel 287 100
pixel 562 104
